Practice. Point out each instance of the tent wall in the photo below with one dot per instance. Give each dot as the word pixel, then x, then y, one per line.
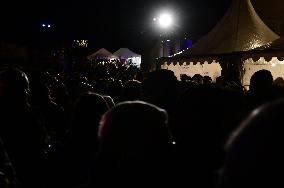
pixel 205 69
pixel 250 66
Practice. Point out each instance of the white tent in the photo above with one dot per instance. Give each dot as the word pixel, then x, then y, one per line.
pixel 101 54
pixel 127 55
pixel 240 30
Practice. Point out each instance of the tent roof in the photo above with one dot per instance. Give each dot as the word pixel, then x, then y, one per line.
pixel 125 53
pixel 268 51
pixel 241 29
pixel 275 45
pixel 101 54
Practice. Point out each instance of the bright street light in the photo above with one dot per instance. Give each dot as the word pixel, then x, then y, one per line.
pixel 165 20
pixel 165 23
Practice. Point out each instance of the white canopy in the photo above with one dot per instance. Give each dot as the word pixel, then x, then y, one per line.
pixel 125 53
pixel 101 54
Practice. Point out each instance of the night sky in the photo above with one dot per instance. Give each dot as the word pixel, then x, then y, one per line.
pixel 107 23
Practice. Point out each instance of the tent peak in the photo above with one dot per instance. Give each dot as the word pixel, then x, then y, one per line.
pixel 240 29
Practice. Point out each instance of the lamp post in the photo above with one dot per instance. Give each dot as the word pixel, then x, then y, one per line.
pixel 164 21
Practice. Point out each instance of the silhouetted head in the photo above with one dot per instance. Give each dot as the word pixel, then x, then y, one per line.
pixel 134 145
pixel 134 127
pixel 14 86
pixel 198 78
pixel 255 156
pixel 261 81
pixel 207 80
pixel 185 78
pixel 88 111
pixel 279 83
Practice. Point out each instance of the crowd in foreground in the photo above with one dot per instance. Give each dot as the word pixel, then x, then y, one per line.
pixel 113 126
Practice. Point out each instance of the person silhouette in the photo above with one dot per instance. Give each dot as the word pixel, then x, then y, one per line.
pixel 254 152
pixel 135 146
pixel 19 129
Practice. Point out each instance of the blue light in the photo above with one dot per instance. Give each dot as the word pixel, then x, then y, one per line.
pixel 188 43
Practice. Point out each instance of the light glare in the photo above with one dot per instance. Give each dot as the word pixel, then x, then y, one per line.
pixel 165 20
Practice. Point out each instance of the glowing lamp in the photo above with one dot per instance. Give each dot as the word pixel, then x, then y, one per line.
pixel 165 20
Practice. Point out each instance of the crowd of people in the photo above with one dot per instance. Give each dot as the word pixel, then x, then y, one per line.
pixel 111 125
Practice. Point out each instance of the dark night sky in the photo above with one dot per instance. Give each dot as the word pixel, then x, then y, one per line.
pixel 107 23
